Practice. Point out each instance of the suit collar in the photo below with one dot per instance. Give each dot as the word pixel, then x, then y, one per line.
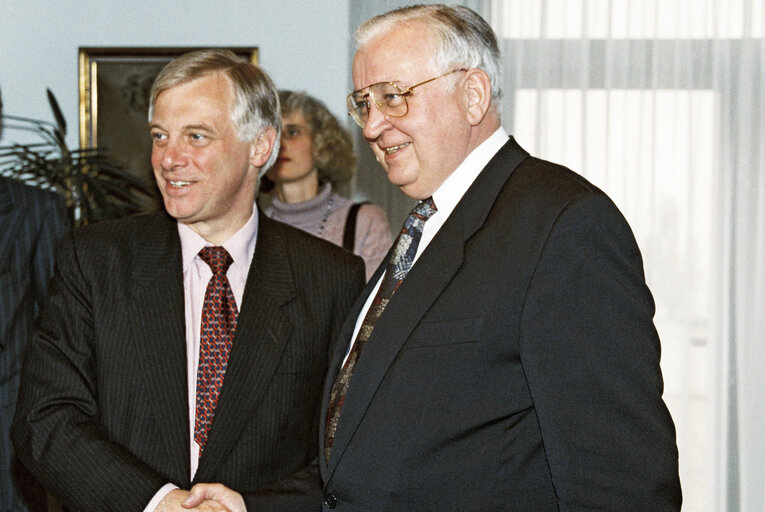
pixel 425 282
pixel 458 182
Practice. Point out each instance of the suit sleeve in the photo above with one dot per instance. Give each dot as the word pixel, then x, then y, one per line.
pixel 56 430
pixel 53 225
pixel 591 357
pixel 302 491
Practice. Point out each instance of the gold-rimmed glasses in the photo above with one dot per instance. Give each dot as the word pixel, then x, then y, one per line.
pixel 388 96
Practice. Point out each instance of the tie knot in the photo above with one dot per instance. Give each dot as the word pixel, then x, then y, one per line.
pixel 425 208
pixel 217 258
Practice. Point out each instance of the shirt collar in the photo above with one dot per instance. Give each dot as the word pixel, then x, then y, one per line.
pixel 241 245
pixel 454 187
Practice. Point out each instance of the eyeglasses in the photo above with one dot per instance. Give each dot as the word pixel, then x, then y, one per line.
pixel 389 98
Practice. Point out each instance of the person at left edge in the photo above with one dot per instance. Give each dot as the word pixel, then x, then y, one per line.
pixel 106 409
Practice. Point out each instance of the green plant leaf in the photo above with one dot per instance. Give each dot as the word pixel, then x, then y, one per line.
pixel 60 132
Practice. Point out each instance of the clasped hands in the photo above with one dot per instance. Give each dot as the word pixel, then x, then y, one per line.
pixel 203 498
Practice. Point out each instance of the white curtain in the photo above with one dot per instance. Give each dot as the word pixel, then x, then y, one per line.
pixel 661 103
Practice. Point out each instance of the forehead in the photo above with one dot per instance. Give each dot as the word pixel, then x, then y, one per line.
pixel 402 53
pixel 211 94
pixel 293 118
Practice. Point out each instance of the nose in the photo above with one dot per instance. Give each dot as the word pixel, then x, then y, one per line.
pixel 171 155
pixel 377 122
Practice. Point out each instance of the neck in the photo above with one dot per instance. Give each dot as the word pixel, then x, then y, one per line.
pixel 298 191
pixel 218 232
pixel 484 130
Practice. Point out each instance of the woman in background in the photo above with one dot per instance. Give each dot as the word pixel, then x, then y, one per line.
pixel 316 156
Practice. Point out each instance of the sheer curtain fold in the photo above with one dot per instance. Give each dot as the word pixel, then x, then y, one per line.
pixel 661 105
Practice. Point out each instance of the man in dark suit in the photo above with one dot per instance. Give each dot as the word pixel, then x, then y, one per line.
pixel 516 365
pixel 122 381
pixel 31 222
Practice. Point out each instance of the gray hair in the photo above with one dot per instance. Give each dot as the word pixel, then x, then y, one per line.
pixel 464 39
pixel 256 102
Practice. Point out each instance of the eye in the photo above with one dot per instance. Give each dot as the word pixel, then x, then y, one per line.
pixel 198 139
pixel 361 102
pixel 391 98
pixel 158 138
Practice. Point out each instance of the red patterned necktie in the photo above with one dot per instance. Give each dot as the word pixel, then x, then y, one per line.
pixel 219 315
pixel 398 266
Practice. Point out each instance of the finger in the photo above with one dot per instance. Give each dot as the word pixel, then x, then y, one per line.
pixel 196 496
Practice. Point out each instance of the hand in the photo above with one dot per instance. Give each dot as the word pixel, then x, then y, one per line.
pixel 202 494
pixel 180 501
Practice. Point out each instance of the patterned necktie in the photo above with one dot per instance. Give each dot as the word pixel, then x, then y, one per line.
pixel 398 266
pixel 219 315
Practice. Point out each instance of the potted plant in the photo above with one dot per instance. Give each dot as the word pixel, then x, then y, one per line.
pixel 93 188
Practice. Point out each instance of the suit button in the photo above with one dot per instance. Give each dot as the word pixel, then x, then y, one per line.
pixel 330 501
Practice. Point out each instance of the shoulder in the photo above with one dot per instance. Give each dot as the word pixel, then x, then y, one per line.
pixel 29 197
pixel 120 241
pixel 537 188
pixel 134 228
pixel 551 179
pixel 373 228
pixel 372 214
pixel 305 250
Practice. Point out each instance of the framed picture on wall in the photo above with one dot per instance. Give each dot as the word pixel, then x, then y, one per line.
pixel 114 103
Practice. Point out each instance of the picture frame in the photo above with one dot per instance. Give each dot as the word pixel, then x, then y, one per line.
pixel 114 86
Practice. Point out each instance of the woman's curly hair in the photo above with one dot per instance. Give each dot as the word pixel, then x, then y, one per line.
pixel 333 153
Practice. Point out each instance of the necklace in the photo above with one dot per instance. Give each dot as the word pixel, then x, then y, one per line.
pixel 330 203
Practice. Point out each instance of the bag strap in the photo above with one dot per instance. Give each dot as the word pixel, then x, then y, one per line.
pixel 349 234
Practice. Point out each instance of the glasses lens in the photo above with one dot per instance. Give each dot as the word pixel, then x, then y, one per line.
pixel 358 108
pixel 390 99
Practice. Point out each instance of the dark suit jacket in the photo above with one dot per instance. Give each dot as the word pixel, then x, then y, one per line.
pixel 31 222
pixel 103 415
pixel 517 366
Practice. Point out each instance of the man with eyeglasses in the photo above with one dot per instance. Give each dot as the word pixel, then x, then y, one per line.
pixel 505 357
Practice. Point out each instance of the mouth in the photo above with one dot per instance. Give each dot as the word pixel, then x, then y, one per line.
pixel 179 184
pixel 282 160
pixel 393 149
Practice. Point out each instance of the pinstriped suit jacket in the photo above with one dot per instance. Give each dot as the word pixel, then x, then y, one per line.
pixel 31 222
pixel 103 410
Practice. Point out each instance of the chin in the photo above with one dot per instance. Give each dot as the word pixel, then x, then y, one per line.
pixel 402 178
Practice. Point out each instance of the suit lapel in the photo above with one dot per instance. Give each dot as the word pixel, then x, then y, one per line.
pixel 157 305
pixel 425 282
pixel 261 335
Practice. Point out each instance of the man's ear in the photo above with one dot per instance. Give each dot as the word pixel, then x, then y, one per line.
pixel 477 87
pixel 262 146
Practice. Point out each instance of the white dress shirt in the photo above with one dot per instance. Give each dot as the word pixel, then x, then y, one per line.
pixel 196 275
pixel 446 198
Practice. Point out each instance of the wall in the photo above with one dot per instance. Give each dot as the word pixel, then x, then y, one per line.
pixel 302 45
